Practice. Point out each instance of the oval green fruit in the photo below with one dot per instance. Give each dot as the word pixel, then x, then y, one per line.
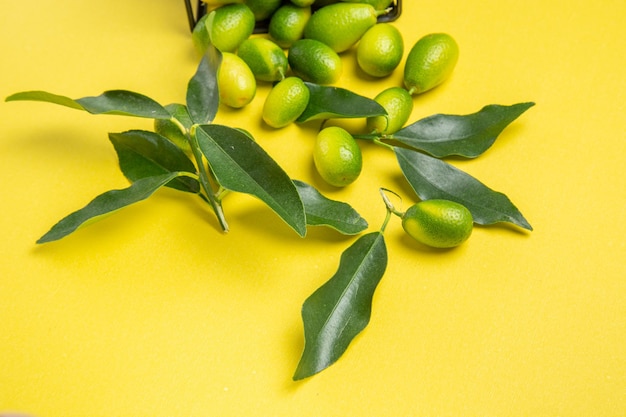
pixel 430 62
pixel 287 24
pixel 380 50
pixel 398 104
pixel 263 9
pixel 314 61
pixel 438 223
pixel 229 25
pixel 235 81
pixel 267 60
pixel 302 3
pixel 285 102
pixel 217 3
pixel 341 25
pixel 378 4
pixel 337 156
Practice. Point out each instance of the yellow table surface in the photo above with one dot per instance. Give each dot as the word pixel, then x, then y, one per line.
pixel 154 312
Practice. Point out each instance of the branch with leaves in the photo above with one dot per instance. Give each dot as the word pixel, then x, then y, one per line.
pixel 216 160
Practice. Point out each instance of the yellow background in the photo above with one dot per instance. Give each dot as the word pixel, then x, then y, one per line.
pixel 153 312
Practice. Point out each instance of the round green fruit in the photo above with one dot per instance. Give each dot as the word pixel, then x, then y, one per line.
pixel 438 223
pixel 337 156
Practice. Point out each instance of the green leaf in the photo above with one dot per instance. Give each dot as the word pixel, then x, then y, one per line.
pixel 443 135
pixel 340 309
pixel 45 97
pixel 327 102
pixel 240 164
pixel 147 154
pixel 322 211
pixel 202 91
pixel 180 113
pixel 106 204
pixel 119 102
pixel 433 178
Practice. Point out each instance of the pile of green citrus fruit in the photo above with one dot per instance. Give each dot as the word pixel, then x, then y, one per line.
pixel 304 42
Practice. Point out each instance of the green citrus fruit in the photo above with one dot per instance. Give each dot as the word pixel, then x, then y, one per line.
pixel 229 25
pixel 262 9
pixel 171 130
pixel 398 104
pixel 337 156
pixel 322 3
pixel 285 102
pixel 235 81
pixel 438 223
pixel 287 24
pixel 314 61
pixel 430 62
pixel 340 25
pixel 217 3
pixel 380 50
pixel 378 4
pixel 303 3
pixel 267 60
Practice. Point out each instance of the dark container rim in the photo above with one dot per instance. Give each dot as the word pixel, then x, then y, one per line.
pixel 262 26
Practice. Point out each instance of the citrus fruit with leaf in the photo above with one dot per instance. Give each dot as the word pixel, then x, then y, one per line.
pixel 265 58
pixel 438 223
pixel 337 156
pixel 235 81
pixel 398 104
pixel 380 50
pixel 285 102
pixel 287 24
pixel 430 62
pixel 314 61
pixel 341 25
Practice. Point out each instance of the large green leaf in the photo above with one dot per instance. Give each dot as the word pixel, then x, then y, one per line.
pixel 341 308
pixel 443 135
pixel 327 102
pixel 106 204
pixel 433 178
pixel 202 91
pixel 147 154
pixel 322 211
pixel 240 164
pixel 120 102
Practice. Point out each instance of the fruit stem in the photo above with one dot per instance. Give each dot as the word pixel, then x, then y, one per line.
pixel 204 180
pixel 384 11
pixel 390 207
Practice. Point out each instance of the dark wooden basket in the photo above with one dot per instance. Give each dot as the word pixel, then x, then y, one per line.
pixel 261 27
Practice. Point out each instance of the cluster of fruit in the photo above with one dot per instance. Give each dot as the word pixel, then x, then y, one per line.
pixel 303 43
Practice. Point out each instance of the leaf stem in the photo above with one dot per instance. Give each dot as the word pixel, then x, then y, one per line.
pixel 180 126
pixel 378 141
pixel 204 180
pixel 368 136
